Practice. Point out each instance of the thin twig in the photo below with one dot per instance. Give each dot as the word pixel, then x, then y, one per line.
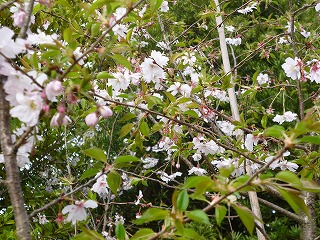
pixel 5 5
pixel 91 48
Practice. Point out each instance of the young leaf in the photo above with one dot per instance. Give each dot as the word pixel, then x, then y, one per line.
pixel 152 214
pixel 144 129
pixel 274 131
pixel 220 212
pixel 122 60
pixel 114 181
pixel 142 234
pixel 126 129
pixel 310 139
pixel 127 159
pixel 104 75
pixel 289 177
pixel 96 153
pixel 198 216
pixel 183 200
pixel 120 231
pixel 246 217
pixel 89 173
pixel 293 198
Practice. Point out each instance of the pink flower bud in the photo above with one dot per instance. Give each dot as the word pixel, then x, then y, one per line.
pixel 92 119
pixel 53 89
pixel 105 111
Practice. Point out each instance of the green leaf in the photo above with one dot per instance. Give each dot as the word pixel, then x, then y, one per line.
pixel 310 139
pixel 292 196
pixel 88 235
pixel 194 181
pixel 89 173
pixel 188 234
pixel 156 127
pixel 95 29
pixel 127 117
pixel 289 177
pixel 67 33
pixel 309 186
pixel 264 121
pixel 246 217
pixel 220 212
pixel 104 75
pixel 183 200
pixel 155 4
pixel 122 60
pixel 152 214
pixel 274 131
pixel 198 216
pixel 142 234
pixel 96 153
pixel 120 231
pixel 144 129
pixel 126 129
pixel 191 113
pixel 126 159
pixel 114 181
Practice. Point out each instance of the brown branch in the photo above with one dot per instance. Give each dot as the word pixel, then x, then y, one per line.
pixel 23 30
pixel 282 210
pixel 12 170
pixel 22 139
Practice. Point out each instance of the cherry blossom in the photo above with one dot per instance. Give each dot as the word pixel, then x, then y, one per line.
pixel 286 117
pixel 92 119
pixel 197 171
pixel 53 89
pixel 77 211
pixel 138 198
pixel 149 162
pixel 28 108
pixel 101 186
pixel 233 41
pixel 292 68
pixel 167 178
pixel 251 141
pixel 230 28
pixel 60 119
pixel 105 111
pixel 226 127
pixel 121 81
pixel 164 7
pixel 315 72
pixel 263 78
pixel 317 7
pixel 8 47
pixel 248 9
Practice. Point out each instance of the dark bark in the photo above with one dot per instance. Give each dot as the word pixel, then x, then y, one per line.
pixel 12 170
pixel 309 225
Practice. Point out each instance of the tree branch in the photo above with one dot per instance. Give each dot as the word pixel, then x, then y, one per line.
pixel 282 210
pixel 12 170
pixel 23 30
pixel 5 5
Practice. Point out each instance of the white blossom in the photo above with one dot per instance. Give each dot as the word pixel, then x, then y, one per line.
pixel 263 78
pixel 286 117
pixel 197 171
pixel 101 186
pixel 292 68
pixel 77 211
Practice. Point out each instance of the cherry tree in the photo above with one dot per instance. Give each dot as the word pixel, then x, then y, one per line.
pixel 107 104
